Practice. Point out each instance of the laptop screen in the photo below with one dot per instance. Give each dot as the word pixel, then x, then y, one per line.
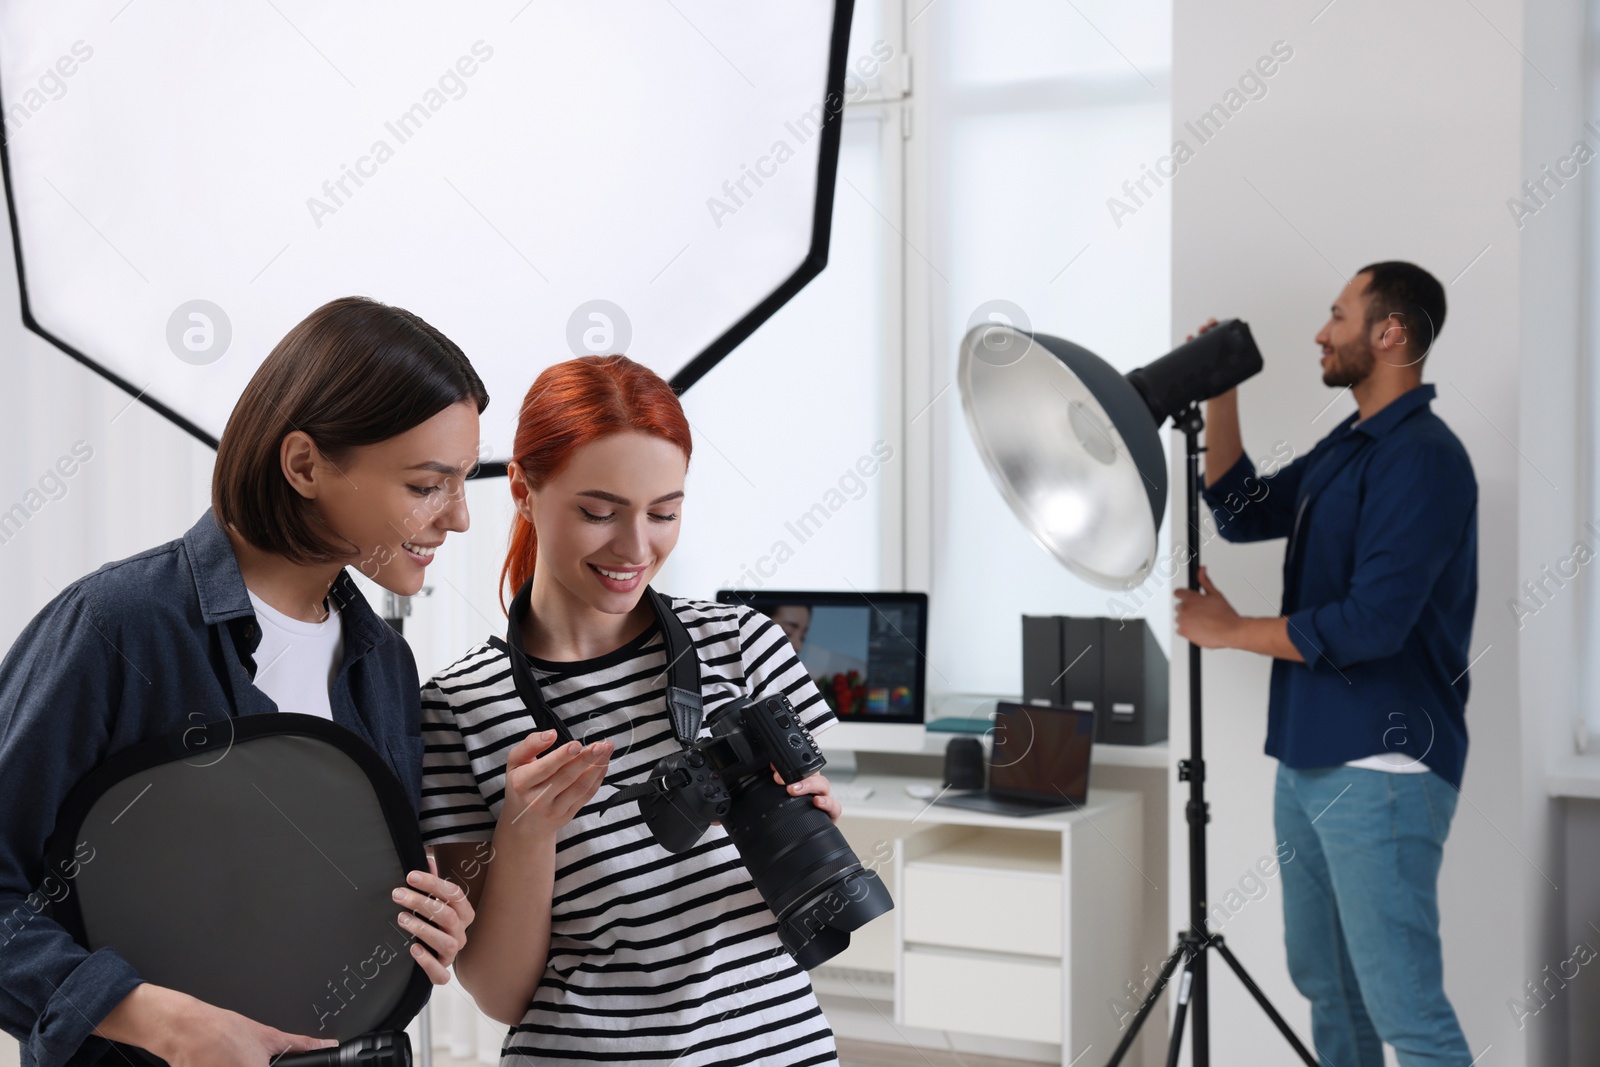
pixel 1041 752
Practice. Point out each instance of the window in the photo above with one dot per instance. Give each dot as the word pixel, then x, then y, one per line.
pixel 1039 113
pixel 796 477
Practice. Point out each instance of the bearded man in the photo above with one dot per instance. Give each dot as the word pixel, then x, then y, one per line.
pixel 1366 715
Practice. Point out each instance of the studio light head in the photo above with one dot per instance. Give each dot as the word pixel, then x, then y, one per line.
pixel 1074 447
pixel 1208 366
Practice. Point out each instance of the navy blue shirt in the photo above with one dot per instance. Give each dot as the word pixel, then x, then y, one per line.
pixel 1380 581
pixel 143 648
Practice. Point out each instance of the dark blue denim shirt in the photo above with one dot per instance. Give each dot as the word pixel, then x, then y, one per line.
pixel 144 648
pixel 1380 582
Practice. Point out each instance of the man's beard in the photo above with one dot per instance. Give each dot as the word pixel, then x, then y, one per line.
pixel 1351 364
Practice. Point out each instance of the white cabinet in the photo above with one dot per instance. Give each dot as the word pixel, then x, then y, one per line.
pixel 1018 928
pixel 980 993
pixel 966 888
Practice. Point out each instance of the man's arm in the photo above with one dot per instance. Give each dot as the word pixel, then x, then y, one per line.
pixel 1246 505
pixel 1268 636
pixel 1417 501
pixel 1224 445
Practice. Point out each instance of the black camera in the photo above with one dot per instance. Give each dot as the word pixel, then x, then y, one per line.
pixel 800 862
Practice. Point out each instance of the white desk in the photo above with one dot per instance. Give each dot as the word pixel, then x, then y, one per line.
pixel 934 742
pixel 1003 927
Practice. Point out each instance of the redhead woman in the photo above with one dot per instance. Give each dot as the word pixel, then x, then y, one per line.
pixel 592 941
pixel 347 448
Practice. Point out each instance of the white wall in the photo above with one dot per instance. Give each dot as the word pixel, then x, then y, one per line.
pixel 1396 131
pixel 1554 407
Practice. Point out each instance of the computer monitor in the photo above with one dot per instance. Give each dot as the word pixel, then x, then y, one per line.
pixel 866 652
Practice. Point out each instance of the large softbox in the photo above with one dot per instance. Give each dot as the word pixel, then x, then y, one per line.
pixel 188 179
pixel 249 862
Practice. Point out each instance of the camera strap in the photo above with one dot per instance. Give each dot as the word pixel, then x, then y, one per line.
pixel 684 706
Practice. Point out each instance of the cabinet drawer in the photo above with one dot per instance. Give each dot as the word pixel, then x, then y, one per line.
pixel 989 910
pixel 973 995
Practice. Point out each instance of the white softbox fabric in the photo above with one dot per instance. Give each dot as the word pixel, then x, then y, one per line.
pixel 537 179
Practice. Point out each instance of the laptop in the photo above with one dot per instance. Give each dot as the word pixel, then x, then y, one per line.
pixel 1039 762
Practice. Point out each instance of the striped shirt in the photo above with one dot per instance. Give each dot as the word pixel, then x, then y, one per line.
pixel 654 957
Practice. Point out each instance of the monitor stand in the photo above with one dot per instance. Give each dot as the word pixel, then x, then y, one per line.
pixel 857 736
pixel 842 765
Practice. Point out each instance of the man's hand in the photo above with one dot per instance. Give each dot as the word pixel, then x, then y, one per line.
pixel 1206 618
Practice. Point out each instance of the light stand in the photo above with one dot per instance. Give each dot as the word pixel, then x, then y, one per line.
pixel 1074 447
pixel 395 610
pixel 1195 942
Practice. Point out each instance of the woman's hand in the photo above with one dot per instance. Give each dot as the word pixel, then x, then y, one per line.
pixel 187 1032
pixel 817 786
pixel 221 1038
pixel 439 917
pixel 544 792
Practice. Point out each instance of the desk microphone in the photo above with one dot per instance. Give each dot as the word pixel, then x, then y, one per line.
pixel 963 763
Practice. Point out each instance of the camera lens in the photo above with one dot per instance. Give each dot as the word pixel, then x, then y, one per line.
pixel 809 875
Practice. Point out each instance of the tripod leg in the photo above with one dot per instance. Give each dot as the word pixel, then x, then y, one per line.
pixel 1149 1002
pixel 1266 1005
pixel 1185 987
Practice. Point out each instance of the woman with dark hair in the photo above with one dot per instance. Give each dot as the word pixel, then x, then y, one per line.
pixel 592 941
pixel 348 446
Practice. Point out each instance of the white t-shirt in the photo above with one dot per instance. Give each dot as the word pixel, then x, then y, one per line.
pixel 296 662
pixel 654 957
pixel 1392 762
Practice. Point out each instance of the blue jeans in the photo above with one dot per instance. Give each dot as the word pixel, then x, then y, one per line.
pixel 1361 912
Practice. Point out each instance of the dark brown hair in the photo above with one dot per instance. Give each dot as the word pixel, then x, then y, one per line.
pixel 571 404
pixel 1405 291
pixel 354 372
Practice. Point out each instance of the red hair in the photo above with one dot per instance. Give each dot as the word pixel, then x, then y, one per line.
pixel 567 407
